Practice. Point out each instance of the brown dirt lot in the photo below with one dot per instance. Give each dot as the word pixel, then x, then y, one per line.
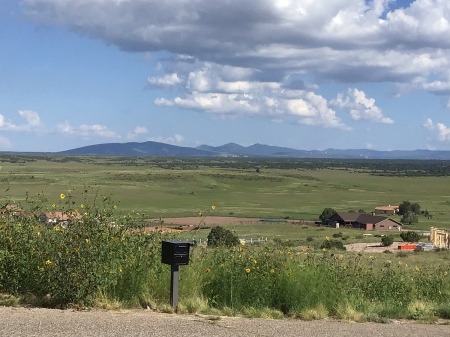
pixel 212 220
pixel 188 223
pixel 371 247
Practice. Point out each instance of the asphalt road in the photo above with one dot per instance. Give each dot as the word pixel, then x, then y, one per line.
pixel 44 322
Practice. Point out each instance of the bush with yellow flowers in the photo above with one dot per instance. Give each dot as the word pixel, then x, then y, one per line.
pixel 77 251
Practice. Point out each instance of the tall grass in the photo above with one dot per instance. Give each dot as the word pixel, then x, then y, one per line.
pixel 102 256
pixel 296 283
pixel 72 262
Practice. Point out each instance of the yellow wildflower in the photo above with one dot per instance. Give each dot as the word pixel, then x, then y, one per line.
pixel 62 196
pixel 207 270
pixel 53 205
pixel 213 207
pixel 200 214
pixel 248 270
pixel 115 206
pixel 82 206
pixel 242 242
pixel 87 240
pixel 272 271
pixel 48 262
pixel 254 261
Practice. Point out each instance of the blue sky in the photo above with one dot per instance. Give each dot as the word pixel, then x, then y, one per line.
pixel 295 73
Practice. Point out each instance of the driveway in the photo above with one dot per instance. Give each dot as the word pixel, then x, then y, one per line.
pixel 45 322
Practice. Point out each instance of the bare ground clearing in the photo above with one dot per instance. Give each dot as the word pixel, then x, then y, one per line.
pixel 371 247
pixel 188 223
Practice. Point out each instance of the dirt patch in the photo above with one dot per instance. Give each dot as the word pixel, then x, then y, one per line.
pixel 371 247
pixel 210 221
pixel 171 225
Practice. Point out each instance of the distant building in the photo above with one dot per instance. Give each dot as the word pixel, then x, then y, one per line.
pixel 364 221
pixel 11 209
pixel 386 210
pixel 57 217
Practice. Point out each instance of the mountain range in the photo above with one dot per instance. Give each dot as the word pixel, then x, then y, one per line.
pixel 257 150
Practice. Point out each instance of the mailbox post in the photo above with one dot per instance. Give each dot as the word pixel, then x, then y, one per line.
pixel 175 253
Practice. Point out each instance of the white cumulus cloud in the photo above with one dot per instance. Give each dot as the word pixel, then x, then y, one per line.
pixel 33 122
pixel 5 143
pixel 360 107
pixel 236 57
pixel 165 81
pixel 443 132
pixel 175 139
pixel 85 130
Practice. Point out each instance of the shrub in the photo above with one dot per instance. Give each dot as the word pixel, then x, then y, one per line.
pixel 410 236
pixel 72 263
pixel 219 236
pixel 387 241
pixel 329 244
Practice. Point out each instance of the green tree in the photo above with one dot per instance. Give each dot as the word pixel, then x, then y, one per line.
pixel 219 236
pixel 409 218
pixel 404 207
pixel 410 236
pixel 326 214
pixel 387 241
pixel 407 206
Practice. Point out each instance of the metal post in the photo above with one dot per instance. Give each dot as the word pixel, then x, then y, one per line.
pixel 174 287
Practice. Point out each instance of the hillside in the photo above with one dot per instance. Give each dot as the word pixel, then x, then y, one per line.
pixel 257 150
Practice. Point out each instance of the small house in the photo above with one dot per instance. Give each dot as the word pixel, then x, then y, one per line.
pixel 386 210
pixel 365 221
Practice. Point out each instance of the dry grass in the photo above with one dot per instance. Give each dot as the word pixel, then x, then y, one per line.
pixel 317 313
pixel 7 300
pixel 346 312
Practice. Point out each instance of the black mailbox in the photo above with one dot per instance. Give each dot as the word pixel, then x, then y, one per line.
pixel 175 252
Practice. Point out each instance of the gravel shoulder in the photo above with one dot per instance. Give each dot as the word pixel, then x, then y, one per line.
pixel 46 322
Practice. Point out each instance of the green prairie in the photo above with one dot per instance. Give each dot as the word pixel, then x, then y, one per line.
pixel 177 187
pixel 105 258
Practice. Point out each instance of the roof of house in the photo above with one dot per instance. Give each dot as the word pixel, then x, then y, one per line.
pixel 369 218
pixel 62 216
pixel 10 208
pixel 346 216
pixel 386 208
pixel 363 218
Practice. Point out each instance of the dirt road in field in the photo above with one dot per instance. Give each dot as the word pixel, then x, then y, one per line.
pixel 44 322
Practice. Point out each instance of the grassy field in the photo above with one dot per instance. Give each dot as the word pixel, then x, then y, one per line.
pixel 103 259
pixel 179 190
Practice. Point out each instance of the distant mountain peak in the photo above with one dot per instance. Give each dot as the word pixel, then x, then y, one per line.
pixel 155 149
